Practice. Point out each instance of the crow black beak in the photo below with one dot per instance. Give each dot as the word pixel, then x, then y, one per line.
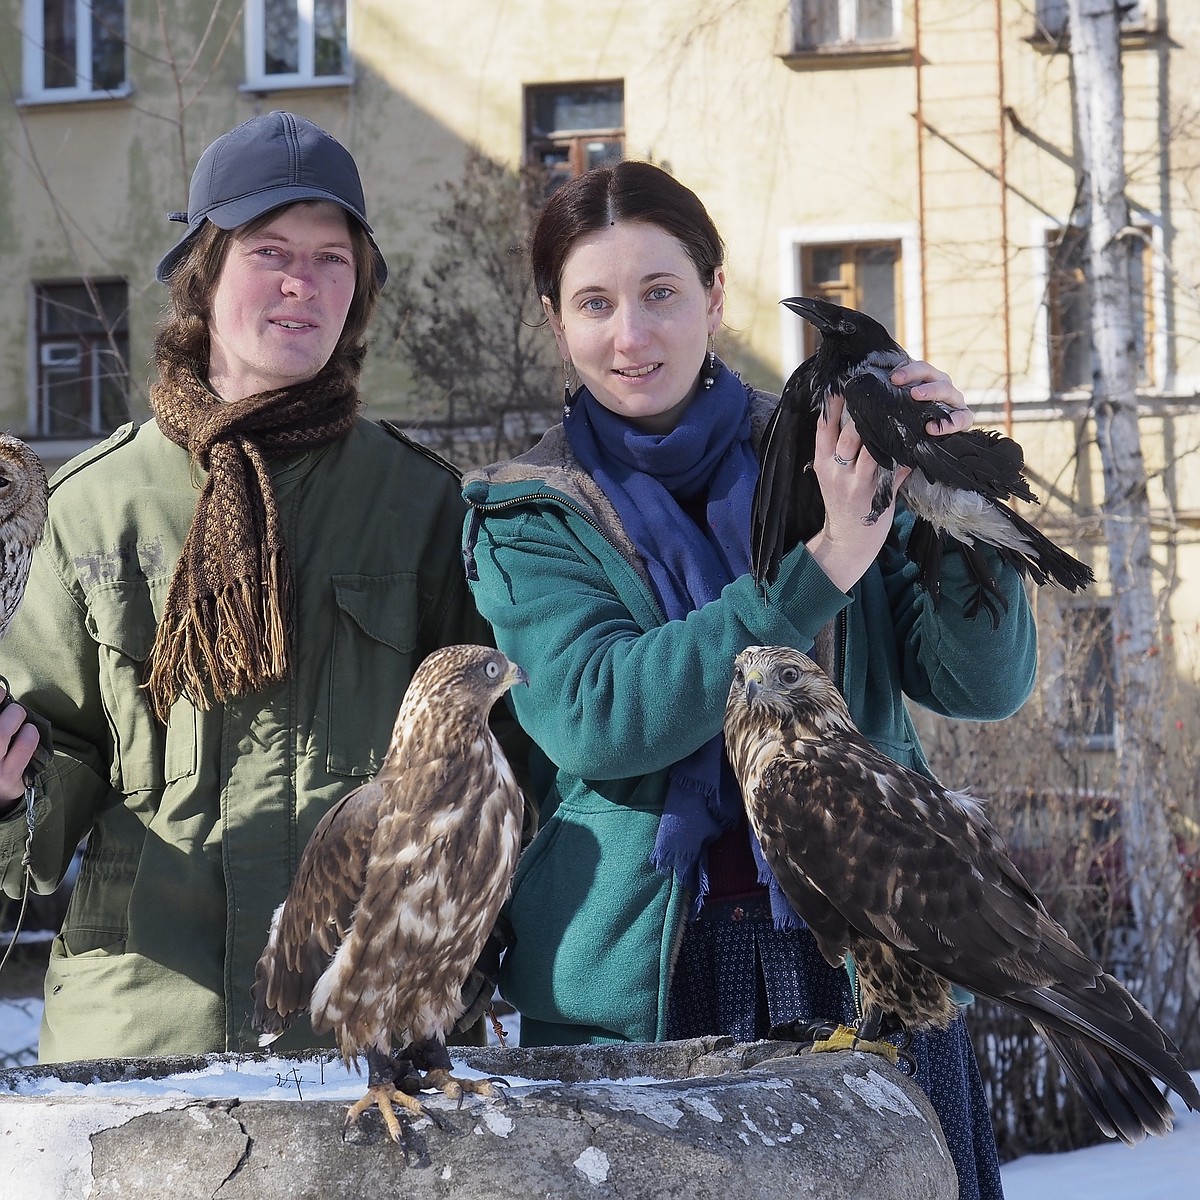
pixel 808 309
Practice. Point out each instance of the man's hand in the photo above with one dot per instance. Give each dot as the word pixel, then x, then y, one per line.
pixel 480 985
pixel 24 749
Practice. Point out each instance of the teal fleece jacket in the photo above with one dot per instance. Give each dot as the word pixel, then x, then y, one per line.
pixel 617 694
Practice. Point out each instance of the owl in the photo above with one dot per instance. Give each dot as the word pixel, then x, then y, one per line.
pixel 23 499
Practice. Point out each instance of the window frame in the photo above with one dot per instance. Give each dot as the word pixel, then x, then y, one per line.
pixel 835 295
pixel 796 241
pixel 1134 19
pixel 575 141
pixel 1152 333
pixel 33 67
pixel 257 80
pixel 847 28
pixel 92 344
pixel 1069 729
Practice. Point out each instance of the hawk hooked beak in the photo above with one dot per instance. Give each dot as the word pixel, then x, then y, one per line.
pixel 753 685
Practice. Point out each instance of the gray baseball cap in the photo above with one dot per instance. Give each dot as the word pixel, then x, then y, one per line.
pixel 268 161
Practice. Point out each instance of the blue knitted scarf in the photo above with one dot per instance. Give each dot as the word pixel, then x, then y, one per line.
pixel 706 462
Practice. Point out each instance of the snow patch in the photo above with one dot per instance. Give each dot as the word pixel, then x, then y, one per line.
pixel 592 1164
pixel 498 1123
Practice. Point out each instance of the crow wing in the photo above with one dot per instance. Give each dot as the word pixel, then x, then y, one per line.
pixel 788 507
pixel 892 427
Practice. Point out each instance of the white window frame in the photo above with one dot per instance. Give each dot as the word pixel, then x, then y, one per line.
pixel 847 22
pixel 256 78
pixel 793 239
pixel 33 42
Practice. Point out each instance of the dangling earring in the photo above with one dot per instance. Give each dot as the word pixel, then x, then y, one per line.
pixel 711 377
pixel 566 388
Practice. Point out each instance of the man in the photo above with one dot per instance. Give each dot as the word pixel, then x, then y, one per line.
pixel 225 611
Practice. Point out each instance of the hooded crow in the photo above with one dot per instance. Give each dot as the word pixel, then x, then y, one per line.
pixel 958 487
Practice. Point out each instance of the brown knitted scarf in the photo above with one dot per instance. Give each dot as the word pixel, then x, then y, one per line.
pixel 227 622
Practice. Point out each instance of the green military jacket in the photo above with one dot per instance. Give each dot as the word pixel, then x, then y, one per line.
pixel 194 830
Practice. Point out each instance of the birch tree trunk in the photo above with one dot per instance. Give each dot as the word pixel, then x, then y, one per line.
pixel 1173 973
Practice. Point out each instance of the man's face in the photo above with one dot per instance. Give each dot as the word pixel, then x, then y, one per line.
pixel 281 301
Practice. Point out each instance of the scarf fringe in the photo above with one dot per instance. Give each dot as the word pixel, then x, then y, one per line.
pixel 219 647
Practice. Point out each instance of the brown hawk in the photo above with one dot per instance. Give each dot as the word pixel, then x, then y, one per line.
pixel 910 879
pixel 399 887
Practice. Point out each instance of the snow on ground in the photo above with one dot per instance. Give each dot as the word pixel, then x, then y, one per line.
pixel 1158 1169
pixel 1163 1168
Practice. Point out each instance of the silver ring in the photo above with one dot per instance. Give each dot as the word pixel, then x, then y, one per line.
pixel 841 462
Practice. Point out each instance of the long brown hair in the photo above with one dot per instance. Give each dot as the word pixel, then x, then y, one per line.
pixel 184 331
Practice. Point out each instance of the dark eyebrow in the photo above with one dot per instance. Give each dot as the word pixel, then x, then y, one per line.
pixel 591 288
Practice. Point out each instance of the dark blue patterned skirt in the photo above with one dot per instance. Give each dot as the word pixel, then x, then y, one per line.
pixel 738 975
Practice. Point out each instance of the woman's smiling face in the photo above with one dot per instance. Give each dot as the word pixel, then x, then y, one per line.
pixel 635 320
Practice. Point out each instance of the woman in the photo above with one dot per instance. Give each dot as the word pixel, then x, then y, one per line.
pixel 612 562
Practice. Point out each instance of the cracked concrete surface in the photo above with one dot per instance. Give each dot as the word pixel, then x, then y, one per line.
pixel 714 1122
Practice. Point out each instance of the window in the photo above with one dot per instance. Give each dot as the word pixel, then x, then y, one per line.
pixel 822 23
pixel 1069 309
pixel 1088 674
pixel 296 43
pixel 862 275
pixel 1052 16
pixel 82 357
pixel 74 49
pixel 570 128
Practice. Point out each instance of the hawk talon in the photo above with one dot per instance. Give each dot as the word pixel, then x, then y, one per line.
pixel 845 1038
pixel 502 1087
pixel 804 1032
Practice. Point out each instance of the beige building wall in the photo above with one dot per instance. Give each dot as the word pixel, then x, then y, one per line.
pixel 965 161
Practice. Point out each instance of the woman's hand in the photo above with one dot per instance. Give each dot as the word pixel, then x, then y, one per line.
pixel 929 384
pixel 847 545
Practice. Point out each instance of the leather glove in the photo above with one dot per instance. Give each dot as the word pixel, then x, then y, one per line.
pixel 480 985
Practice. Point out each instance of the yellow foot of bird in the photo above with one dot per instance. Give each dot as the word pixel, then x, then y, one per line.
pixel 845 1038
pixel 385 1098
pixel 453 1087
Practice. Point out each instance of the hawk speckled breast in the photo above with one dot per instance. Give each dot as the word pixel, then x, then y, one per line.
pixel 399 887
pixel 910 879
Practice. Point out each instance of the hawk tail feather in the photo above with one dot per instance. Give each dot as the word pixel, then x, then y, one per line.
pixel 1122 1098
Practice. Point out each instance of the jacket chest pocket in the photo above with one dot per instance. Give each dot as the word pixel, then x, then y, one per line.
pixel 374 641
pixel 145 755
